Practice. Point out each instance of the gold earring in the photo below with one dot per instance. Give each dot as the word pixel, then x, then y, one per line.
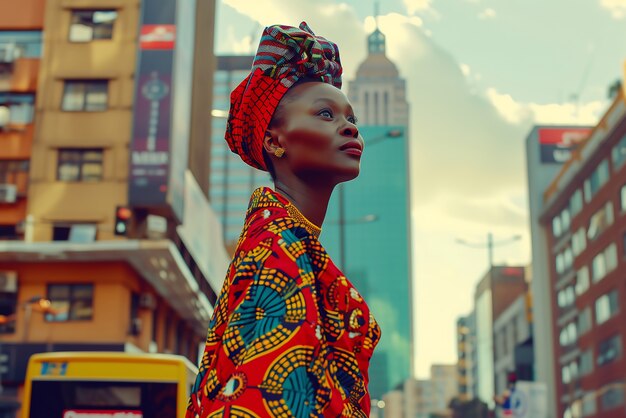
pixel 279 152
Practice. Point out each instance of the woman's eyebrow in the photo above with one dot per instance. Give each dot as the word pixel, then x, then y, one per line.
pixel 332 102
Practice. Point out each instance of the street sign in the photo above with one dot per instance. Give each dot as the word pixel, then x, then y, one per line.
pixel 529 400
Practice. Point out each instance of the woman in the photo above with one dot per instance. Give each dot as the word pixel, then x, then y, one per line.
pixel 290 335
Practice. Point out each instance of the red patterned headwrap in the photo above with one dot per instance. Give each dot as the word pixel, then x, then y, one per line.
pixel 285 55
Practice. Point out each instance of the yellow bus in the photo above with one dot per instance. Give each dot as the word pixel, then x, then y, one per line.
pixel 107 385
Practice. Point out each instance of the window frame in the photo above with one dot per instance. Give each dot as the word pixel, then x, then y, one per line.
pixel 71 301
pixel 75 16
pixel 88 87
pixel 82 161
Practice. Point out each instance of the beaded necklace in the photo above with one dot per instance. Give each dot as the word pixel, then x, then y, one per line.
pixel 298 216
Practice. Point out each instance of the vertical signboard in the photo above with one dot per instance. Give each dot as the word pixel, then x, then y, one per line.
pixel 160 137
pixel 557 144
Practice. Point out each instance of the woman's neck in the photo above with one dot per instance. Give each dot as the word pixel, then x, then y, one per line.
pixel 311 201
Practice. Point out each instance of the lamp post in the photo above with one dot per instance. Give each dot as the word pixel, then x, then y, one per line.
pixel 489 245
pixel 393 133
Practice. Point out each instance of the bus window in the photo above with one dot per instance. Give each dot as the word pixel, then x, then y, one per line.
pixel 93 399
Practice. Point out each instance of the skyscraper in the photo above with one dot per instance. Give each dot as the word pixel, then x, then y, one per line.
pixel 367 229
pixel 231 180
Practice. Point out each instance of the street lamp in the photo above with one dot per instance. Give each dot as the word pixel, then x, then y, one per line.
pixel 393 133
pixel 489 245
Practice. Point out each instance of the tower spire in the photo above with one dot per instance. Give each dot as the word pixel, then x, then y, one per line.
pixel 376 40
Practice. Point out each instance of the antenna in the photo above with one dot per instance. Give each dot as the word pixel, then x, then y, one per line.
pixel 376 11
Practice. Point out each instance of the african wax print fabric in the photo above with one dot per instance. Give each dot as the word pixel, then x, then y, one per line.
pixel 285 55
pixel 290 335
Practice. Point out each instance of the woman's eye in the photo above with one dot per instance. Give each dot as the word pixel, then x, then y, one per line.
pixel 326 114
pixel 353 119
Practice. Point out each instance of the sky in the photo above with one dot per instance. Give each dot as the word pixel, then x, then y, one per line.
pixel 479 74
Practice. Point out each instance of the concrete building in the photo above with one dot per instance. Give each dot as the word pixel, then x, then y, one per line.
pixel 423 398
pixel 466 353
pixel 495 292
pixel 512 333
pixel 547 149
pixel 585 236
pixel 20 52
pixel 231 180
pixel 112 258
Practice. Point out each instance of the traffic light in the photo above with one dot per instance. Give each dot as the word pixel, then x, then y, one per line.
pixel 122 219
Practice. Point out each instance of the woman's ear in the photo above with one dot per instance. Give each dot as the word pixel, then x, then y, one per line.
pixel 270 142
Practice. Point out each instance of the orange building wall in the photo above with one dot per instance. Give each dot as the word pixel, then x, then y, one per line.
pixel 21 15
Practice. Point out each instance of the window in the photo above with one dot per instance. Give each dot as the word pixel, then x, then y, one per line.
pixel 576 203
pixel 566 297
pixel 16 110
pixel 579 241
pixel 604 263
pixel 85 95
pixel 586 362
pixel 618 153
pixel 584 320
pixel 568 334
pixel 89 25
pixel 74 232
pixel 597 179
pixel 606 307
pixel 612 395
pixel 19 44
pixel 70 302
pixel 8 301
pixel 556 226
pixel 564 260
pixel 622 198
pixel 589 404
pixel 600 221
pixel 16 173
pixel 582 280
pixel 609 350
pixel 569 372
pixel 80 165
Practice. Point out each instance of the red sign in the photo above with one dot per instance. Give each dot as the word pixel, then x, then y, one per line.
pixel 81 413
pixel 565 137
pixel 157 37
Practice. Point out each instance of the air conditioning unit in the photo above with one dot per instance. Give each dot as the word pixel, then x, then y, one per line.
pixel 8 282
pixel 7 53
pixel 147 301
pixel 8 193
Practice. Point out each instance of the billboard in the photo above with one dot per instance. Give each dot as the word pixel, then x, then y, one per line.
pixel 162 109
pixel 557 144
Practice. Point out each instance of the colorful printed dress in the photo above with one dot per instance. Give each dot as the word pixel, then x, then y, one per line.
pixel 290 336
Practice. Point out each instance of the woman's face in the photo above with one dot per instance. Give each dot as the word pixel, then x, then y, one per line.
pixel 317 129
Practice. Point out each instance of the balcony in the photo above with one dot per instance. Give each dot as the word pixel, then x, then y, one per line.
pixel 19 75
pixel 16 142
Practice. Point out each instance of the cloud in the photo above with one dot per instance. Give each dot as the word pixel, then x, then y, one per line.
pixel 616 7
pixel 550 113
pixel 488 13
pixel 418 6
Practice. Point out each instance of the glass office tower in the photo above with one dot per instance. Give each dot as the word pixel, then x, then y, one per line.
pixel 367 234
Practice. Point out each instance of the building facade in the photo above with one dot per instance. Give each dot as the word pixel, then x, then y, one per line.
pixel 512 334
pixel 496 291
pixel 585 238
pixel 547 149
pixel 466 368
pixel 108 260
pixel 231 180
pixel 20 52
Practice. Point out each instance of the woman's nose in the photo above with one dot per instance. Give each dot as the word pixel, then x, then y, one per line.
pixel 350 130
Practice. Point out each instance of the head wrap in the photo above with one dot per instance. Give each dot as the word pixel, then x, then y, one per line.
pixel 285 55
